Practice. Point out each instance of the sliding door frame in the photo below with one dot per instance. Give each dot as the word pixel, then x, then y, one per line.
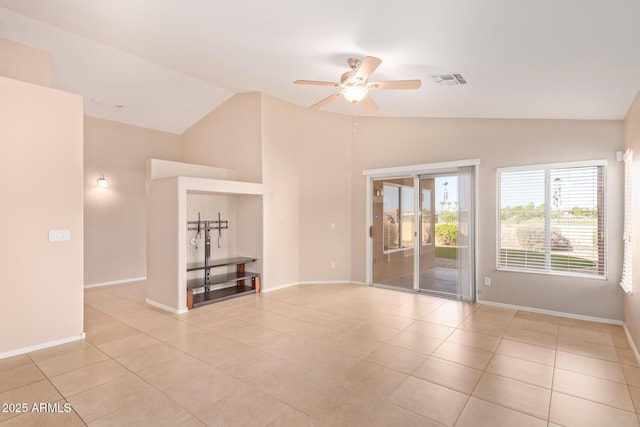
pixel 413 171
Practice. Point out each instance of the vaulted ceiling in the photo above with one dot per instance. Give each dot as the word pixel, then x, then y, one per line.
pixel 170 62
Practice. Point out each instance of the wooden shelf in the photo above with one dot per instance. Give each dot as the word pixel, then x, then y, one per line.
pixel 210 297
pixel 240 282
pixel 219 279
pixel 220 263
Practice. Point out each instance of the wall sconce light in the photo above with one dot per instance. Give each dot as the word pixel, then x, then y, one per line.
pixel 102 182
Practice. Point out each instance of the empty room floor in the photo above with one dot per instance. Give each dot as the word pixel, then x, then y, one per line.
pixel 323 355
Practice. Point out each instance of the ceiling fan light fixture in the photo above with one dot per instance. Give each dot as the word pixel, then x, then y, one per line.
pixel 354 93
pixel 354 85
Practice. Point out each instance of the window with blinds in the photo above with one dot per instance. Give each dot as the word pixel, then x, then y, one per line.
pixel 551 219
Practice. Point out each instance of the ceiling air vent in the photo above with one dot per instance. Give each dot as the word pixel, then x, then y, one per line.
pixel 449 79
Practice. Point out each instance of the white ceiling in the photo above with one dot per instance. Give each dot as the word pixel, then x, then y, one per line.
pixel 173 61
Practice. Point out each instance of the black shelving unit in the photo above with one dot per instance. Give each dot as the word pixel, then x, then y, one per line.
pixel 241 282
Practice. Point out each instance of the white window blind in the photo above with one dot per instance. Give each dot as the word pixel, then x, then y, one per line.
pixel 627 260
pixel 552 219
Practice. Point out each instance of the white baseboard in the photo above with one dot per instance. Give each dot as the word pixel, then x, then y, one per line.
pixel 552 313
pixel 312 282
pixel 325 282
pixel 631 343
pixel 115 282
pixel 266 290
pixel 165 307
pixel 42 346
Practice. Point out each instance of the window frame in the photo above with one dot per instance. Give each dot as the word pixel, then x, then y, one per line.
pixel 546 167
pixel 626 281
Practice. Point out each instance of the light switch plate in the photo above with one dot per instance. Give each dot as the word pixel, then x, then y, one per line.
pixel 59 235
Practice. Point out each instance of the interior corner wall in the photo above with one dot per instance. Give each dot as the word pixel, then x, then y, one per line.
pixel 228 137
pixel 389 142
pixel 306 169
pixel 324 169
pixel 632 141
pixel 115 217
pixel 41 190
pixel 280 173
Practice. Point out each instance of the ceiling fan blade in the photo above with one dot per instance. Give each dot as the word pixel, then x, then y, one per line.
pixel 367 67
pixel 327 100
pixel 395 84
pixel 316 83
pixel 369 105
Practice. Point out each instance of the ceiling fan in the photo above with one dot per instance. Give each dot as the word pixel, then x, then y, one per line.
pixel 355 86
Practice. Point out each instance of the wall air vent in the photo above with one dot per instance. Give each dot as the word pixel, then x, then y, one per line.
pixel 449 79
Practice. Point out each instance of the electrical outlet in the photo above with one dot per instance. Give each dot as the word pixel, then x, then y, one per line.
pixel 487 281
pixel 333 265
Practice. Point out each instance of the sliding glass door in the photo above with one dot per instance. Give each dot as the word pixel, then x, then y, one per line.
pixel 438 253
pixel 393 232
pixel 422 233
pixel 447 261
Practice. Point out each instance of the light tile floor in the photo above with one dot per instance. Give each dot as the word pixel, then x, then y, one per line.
pixel 323 355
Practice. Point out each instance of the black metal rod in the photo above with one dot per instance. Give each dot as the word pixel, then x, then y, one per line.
pixel 207 253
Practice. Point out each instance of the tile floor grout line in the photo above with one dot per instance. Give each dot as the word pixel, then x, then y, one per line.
pixel 57 390
pixel 474 387
pixel 553 374
pixel 484 371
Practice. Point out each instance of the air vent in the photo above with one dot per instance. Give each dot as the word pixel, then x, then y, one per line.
pixel 449 79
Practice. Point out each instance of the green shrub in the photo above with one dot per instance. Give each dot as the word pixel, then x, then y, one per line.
pixel 447 234
pixel 448 216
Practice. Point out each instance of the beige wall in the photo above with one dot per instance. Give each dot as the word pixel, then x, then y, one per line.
pixel 26 63
pixel 632 140
pixel 324 163
pixel 306 164
pixel 41 190
pixel 228 137
pixel 281 195
pixel 165 270
pixel 115 217
pixel 388 142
